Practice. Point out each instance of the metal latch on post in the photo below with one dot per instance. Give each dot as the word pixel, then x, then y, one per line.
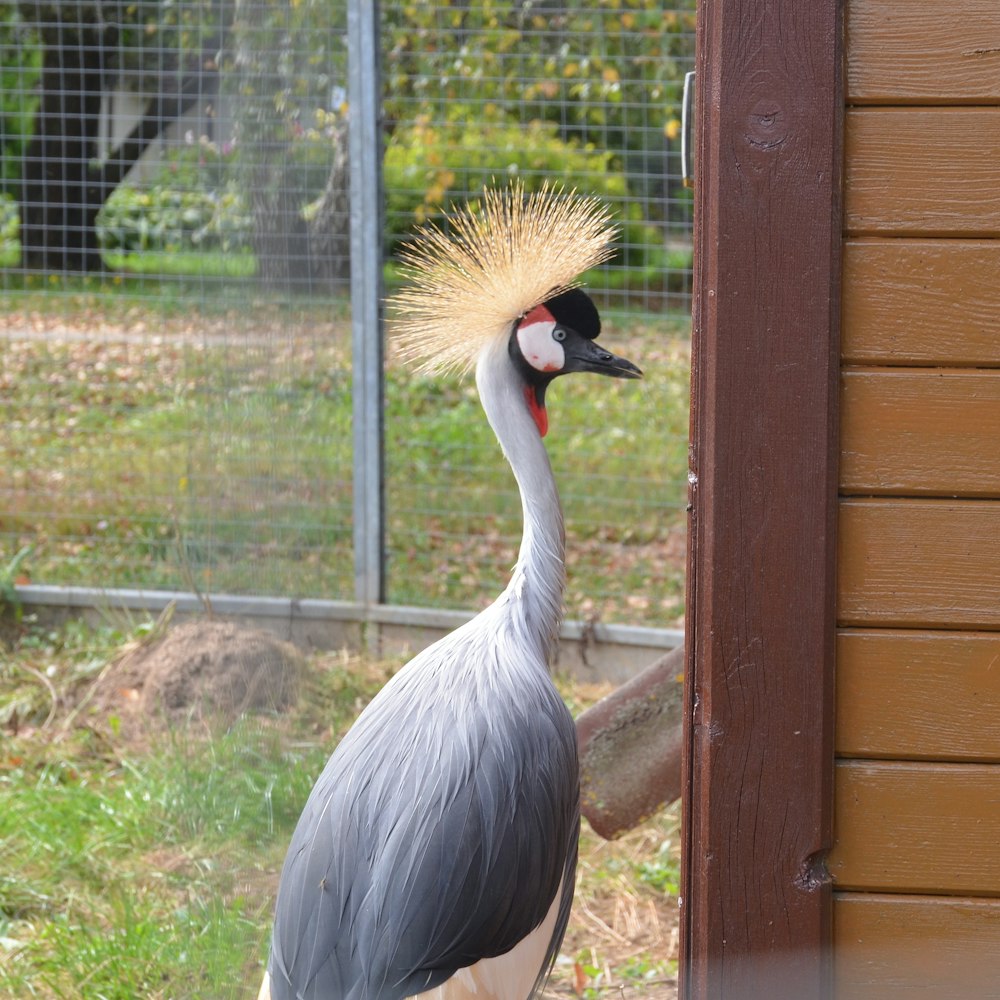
pixel 687 130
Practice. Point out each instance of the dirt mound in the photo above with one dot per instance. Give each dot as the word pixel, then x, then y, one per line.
pixel 203 670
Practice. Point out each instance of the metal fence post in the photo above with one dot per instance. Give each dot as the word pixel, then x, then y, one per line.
pixel 364 98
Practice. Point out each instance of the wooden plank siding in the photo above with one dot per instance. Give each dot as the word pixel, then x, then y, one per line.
pixel 919 563
pixel 926 52
pixel 916 828
pixel 892 947
pixel 922 171
pixel 918 695
pixel 921 302
pixel 920 432
pixel 916 858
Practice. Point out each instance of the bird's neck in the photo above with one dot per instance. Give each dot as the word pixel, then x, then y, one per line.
pixel 533 598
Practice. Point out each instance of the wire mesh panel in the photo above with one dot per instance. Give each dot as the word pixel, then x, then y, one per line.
pixel 175 375
pixel 175 381
pixel 583 93
pixel 586 95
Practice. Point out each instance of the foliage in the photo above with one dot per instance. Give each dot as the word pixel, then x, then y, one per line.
pixel 199 164
pixel 20 64
pixel 10 224
pixel 141 42
pixel 586 91
pixel 287 70
pixel 662 872
pixel 190 207
pixel 605 72
pixel 288 59
pixel 10 601
pixel 168 220
pixel 428 165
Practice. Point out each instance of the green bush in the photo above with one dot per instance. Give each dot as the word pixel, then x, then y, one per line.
pixel 604 71
pixel 20 68
pixel 10 221
pixel 166 220
pixel 426 166
pixel 202 165
pixel 197 165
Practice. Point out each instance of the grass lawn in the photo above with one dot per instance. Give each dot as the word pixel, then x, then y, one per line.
pixel 146 866
pixel 165 439
pixel 212 264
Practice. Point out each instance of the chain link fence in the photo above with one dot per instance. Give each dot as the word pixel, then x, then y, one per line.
pixel 177 367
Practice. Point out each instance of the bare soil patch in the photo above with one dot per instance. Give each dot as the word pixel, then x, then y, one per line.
pixel 200 671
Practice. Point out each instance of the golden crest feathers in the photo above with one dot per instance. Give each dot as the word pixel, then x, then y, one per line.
pixel 468 285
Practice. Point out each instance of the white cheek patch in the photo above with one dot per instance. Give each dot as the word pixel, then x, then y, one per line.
pixel 539 349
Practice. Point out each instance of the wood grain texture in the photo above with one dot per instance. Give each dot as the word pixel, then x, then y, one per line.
pixel 916 947
pixel 920 432
pixel 919 695
pixel 923 52
pixel 919 563
pixel 922 171
pixel 917 827
pixel 923 302
pixel 760 612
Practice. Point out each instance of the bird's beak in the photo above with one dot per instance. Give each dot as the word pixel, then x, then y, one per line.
pixel 584 355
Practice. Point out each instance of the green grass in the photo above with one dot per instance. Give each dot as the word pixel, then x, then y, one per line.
pixel 145 870
pixel 619 451
pixel 194 264
pixel 114 297
pixel 128 869
pixel 210 264
pixel 217 456
pixel 148 868
pixel 663 273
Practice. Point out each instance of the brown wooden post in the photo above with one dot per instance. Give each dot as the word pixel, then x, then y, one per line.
pixel 756 906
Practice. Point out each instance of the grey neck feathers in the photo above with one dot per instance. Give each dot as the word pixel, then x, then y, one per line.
pixel 532 602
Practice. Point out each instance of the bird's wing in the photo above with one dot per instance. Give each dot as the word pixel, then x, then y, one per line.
pixel 565 905
pixel 427 846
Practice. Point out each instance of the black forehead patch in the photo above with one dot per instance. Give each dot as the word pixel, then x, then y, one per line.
pixel 576 310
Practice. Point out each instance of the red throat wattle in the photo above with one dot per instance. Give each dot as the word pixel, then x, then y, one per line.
pixel 537 411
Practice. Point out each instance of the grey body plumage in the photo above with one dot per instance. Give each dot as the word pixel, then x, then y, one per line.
pixel 442 833
pixel 427 846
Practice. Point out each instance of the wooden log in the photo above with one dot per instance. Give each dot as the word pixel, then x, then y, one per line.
pixel 923 52
pixel 920 432
pixel 921 302
pixel 922 171
pixel 630 748
pixel 923 828
pixel 919 695
pixel 919 563
pixel 889 947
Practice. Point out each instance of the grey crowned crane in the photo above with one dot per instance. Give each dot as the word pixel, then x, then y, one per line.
pixel 437 851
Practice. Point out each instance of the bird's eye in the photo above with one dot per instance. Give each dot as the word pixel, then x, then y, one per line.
pixel 559 334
